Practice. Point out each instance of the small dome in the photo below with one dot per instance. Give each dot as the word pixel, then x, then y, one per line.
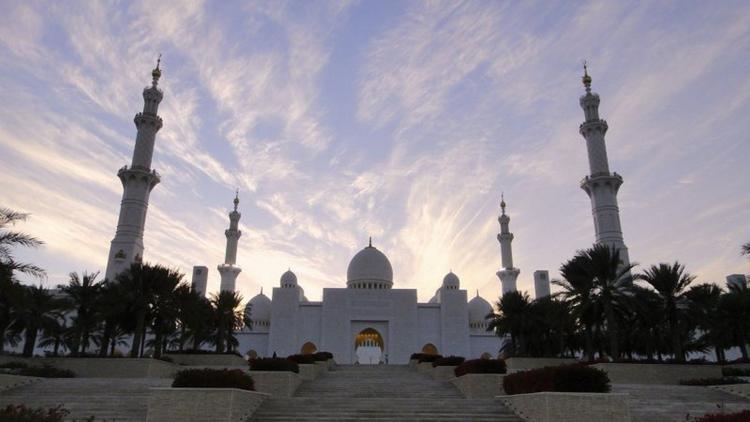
pixel 288 279
pixel 369 268
pixel 451 281
pixel 258 308
pixel 479 309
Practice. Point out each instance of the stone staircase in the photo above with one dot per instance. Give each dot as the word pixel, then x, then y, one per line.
pixel 380 393
pixel 110 400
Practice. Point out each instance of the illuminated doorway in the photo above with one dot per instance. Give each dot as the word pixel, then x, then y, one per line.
pixel 429 349
pixel 308 348
pixel 369 347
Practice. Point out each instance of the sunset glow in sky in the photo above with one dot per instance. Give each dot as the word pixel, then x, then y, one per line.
pixel 400 120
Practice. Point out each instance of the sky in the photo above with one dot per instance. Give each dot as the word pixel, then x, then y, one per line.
pixel 400 120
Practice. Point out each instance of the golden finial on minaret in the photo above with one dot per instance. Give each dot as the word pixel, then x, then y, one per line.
pixel 156 73
pixel 586 78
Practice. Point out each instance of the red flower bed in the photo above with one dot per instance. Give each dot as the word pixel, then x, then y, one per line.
pixel 449 361
pixel 743 416
pixel 565 378
pixel 481 366
pixel 213 378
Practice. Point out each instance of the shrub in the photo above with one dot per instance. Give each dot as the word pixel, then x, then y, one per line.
pixel 481 366
pixel 21 413
pixel 575 378
pixel 200 352
pixel 743 416
pixel 713 381
pixel 429 358
pixel 46 371
pixel 302 359
pixel 14 365
pixel 735 372
pixel 449 361
pixel 273 364
pixel 213 378
pixel 416 356
pixel 322 356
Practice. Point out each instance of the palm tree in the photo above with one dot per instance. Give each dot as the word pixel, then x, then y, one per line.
pixel 10 239
pixel 39 310
pixel 709 318
pixel 511 319
pixel 578 287
pixel 137 284
pixel 10 296
pixel 671 282
pixel 113 311
pixel 83 292
pixel 746 249
pixel 736 305
pixel 164 306
pixel 227 319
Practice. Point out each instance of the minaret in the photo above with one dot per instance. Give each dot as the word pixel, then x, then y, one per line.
pixel 228 270
pixel 601 185
pixel 508 274
pixel 137 182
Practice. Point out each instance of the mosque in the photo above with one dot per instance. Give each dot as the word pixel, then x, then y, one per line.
pixel 368 321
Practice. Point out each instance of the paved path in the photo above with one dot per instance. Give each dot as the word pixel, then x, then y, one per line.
pixel 381 393
pixel 675 403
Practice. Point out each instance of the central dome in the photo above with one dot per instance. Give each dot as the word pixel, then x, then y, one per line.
pixel 369 269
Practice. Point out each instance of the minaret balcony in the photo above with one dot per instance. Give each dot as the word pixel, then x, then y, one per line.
pixel 588 127
pixel 589 183
pixel 150 177
pixel 148 119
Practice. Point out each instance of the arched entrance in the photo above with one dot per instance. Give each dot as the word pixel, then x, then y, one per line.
pixel 308 348
pixel 429 349
pixel 369 347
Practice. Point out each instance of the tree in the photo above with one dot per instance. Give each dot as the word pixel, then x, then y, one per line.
pixel 735 304
pixel 227 319
pixel 10 297
pixel 39 310
pixel 746 249
pixel 83 292
pixel 10 239
pixel 578 291
pixel 511 319
pixel 709 317
pixel 164 305
pixel 137 284
pixel 671 282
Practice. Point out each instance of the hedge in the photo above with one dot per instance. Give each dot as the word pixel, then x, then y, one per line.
pixel 449 361
pixel 14 365
pixel 429 358
pixel 574 378
pixel 322 356
pixel 200 352
pixel 45 371
pixel 21 413
pixel 743 416
pixel 213 378
pixel 302 359
pixel 481 366
pixel 273 364
pixel 735 372
pixel 713 381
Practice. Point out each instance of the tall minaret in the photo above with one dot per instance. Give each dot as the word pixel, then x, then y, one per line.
pixel 228 270
pixel 601 185
pixel 508 274
pixel 137 183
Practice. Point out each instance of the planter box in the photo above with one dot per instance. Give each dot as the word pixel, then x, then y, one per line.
pixel 569 407
pixel 322 367
pixel 331 364
pixel 207 360
pixel 8 381
pixel 276 383
pixel 443 372
pixel 520 364
pixel 202 404
pixel 648 373
pixel 480 386
pixel 413 363
pixel 308 371
pixel 740 390
pixel 424 367
pixel 105 367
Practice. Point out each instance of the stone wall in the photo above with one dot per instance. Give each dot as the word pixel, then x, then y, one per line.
pixel 424 368
pixel 207 360
pixel 105 367
pixel 480 386
pixel 276 383
pixel 12 381
pixel 308 372
pixel 569 407
pixel 202 404
pixel 520 364
pixel 646 373
pixel 741 390
pixel 443 372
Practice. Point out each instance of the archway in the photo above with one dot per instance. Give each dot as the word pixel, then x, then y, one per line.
pixel 369 347
pixel 252 354
pixel 429 349
pixel 485 356
pixel 308 348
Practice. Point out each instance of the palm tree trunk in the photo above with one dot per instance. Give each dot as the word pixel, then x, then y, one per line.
pixel 589 342
pixel 105 338
pixel 30 342
pixel 157 343
pixel 138 334
pixel 679 356
pixel 614 348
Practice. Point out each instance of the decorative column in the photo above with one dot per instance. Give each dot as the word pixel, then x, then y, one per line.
pixel 507 274
pixel 137 182
pixel 228 270
pixel 601 185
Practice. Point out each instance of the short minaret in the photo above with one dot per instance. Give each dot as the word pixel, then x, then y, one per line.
pixel 601 185
pixel 137 182
pixel 228 270
pixel 507 274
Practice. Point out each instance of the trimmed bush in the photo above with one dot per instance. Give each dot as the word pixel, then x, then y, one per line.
pixel 273 364
pixel 21 413
pixel 302 359
pixel 45 371
pixel 481 366
pixel 213 378
pixel 14 365
pixel 449 361
pixel 199 352
pixel 743 416
pixel 713 381
pixel 574 378
pixel 322 356
pixel 429 358
pixel 735 372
